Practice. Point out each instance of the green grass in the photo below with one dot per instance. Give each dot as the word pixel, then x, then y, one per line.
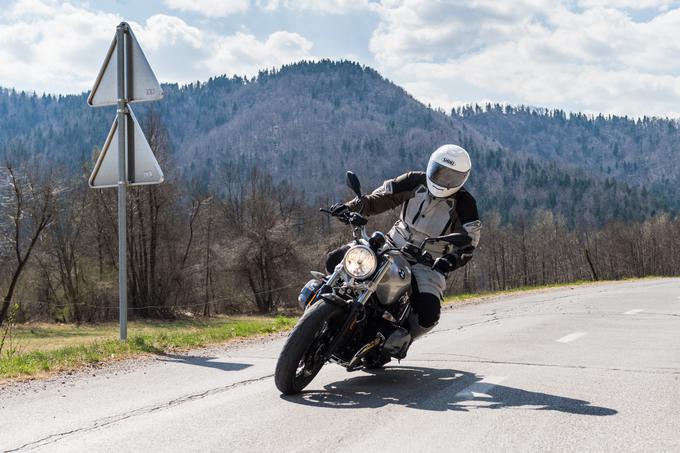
pixel 48 348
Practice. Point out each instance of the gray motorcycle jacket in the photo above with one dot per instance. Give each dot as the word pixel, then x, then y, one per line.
pixel 422 215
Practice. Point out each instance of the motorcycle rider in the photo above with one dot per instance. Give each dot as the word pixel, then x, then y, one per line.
pixel 433 203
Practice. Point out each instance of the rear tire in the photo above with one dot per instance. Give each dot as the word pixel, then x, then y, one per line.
pixel 314 322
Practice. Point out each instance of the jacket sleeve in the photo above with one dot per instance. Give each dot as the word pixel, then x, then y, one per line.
pixel 391 194
pixel 468 216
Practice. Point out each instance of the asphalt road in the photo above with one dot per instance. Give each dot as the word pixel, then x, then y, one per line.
pixel 592 368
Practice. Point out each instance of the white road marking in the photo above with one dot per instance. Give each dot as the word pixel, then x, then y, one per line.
pixel 479 389
pixel 634 311
pixel 571 337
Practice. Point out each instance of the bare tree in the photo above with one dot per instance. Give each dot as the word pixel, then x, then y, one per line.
pixel 265 246
pixel 153 246
pixel 29 204
pixel 65 248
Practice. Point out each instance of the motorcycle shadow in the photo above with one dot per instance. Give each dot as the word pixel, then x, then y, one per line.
pixel 435 389
pixel 209 362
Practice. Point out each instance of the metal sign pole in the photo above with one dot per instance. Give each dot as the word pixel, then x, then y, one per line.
pixel 129 87
pixel 119 83
pixel 122 180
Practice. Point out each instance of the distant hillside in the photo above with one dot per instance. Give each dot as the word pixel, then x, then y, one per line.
pixel 308 122
pixel 642 152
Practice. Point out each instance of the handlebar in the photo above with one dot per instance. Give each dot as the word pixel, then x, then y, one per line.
pixel 418 253
pixel 414 252
pixel 354 219
pixel 348 217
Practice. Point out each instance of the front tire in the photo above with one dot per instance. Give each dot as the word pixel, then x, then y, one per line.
pixel 298 363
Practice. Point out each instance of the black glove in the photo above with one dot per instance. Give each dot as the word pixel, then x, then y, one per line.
pixel 445 264
pixel 452 261
pixel 465 254
pixel 339 208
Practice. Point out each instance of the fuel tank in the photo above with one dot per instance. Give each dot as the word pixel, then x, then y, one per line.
pixel 396 281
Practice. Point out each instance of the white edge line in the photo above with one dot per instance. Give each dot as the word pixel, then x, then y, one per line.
pixel 634 311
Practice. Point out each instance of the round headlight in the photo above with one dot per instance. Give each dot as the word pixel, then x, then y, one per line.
pixel 360 261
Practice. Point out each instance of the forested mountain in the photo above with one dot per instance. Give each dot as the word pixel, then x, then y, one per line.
pixel 641 151
pixel 308 122
pixel 247 162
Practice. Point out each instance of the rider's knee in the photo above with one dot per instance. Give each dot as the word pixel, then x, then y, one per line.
pixel 428 309
pixel 335 257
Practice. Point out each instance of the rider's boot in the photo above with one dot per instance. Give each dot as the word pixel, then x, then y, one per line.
pixel 415 331
pixel 397 343
pixel 375 360
pixel 415 328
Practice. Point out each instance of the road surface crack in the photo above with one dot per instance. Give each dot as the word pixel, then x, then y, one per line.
pixel 495 317
pixel 106 421
pixel 669 371
pixel 473 324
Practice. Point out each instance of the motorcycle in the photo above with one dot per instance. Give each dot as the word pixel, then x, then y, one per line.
pixel 356 317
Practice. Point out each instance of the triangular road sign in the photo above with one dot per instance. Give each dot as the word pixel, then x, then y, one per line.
pixel 146 168
pixel 145 86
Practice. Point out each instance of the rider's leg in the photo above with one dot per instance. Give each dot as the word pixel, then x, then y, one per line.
pixel 425 314
pixel 428 290
pixel 335 257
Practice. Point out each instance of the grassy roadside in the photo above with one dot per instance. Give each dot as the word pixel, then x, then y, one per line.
pixel 470 297
pixel 44 348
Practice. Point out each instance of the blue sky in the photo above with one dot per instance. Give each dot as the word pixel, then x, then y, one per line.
pixel 609 56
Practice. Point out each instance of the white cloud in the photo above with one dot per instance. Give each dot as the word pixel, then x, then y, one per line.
pixel 209 8
pixel 45 46
pixel 58 48
pixel 541 52
pixel 325 6
pixel 613 56
pixel 244 54
pixel 34 8
pixel 661 5
pixel 223 8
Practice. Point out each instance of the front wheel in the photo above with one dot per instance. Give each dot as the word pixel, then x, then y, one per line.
pixel 301 358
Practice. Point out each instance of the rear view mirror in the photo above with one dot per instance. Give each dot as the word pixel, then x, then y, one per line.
pixel 456 239
pixel 353 183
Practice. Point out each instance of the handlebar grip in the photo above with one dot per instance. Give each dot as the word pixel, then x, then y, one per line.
pixel 357 219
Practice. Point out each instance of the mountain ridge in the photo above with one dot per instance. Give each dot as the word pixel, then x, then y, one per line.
pixel 308 122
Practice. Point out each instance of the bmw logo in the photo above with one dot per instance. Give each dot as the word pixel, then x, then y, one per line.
pixel 402 274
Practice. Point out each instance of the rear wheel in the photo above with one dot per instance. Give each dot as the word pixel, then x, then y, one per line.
pixel 302 355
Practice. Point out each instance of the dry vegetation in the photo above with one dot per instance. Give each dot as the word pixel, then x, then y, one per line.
pixel 235 228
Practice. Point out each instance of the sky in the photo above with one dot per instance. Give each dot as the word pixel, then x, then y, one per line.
pixel 593 56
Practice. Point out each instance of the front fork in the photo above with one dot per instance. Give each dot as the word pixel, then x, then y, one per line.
pixel 355 308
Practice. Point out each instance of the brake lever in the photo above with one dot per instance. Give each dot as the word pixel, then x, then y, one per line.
pixel 342 217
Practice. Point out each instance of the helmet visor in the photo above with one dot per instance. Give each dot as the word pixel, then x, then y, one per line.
pixel 445 177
